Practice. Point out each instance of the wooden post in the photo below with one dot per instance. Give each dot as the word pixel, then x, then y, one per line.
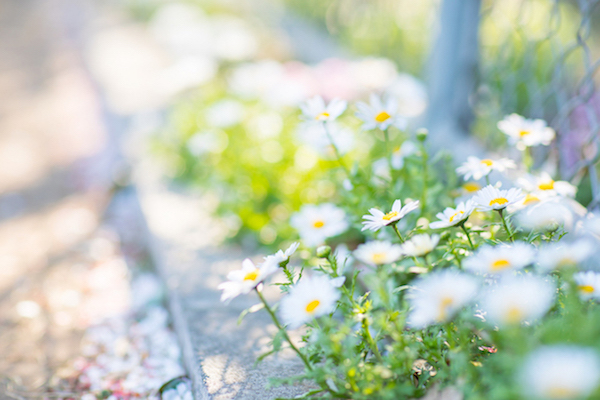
pixel 452 78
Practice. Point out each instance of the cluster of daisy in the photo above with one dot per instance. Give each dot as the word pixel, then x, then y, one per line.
pixel 310 297
pixel 380 113
pixel 507 284
pixel 507 268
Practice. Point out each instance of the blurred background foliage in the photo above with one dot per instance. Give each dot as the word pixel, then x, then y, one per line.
pixel 401 30
pixel 534 60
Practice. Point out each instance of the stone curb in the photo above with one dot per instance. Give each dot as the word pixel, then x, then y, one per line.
pixel 173 303
pixel 218 354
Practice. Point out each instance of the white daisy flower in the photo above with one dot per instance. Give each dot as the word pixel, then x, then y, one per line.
pixel 543 186
pixel 499 259
pixel 420 245
pixel 282 256
pixel 524 132
pixel 437 296
pixel 470 188
pixel 529 200
pixel 491 198
pixel 315 109
pixel 380 115
pixel 378 252
pixel 477 168
pixel 560 254
pixel 560 372
pixel 378 219
pixel 467 190
pixel 242 281
pixel 518 299
pixel 316 223
pixel 546 215
pixel 588 284
pixel 312 297
pixel 453 216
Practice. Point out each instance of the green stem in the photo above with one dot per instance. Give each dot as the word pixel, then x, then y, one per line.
pixel 369 338
pixel 527 159
pixel 425 174
pixel 506 227
pixel 450 335
pixel 282 329
pixel 397 232
pixel 487 179
pixel 468 235
pixel 402 241
pixel 426 261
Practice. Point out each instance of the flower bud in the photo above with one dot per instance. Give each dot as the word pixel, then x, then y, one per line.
pixel 323 251
pixel 422 134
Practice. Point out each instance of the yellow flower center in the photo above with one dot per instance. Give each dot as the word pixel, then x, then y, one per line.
pixel 322 116
pixel 445 304
pixel 471 187
pixel 252 275
pixel 514 315
pixel 500 201
pixel 455 215
pixel 382 116
pixel 312 306
pixel 500 264
pixel 378 258
pixel 390 215
pixel 530 199
pixel 524 133
pixel 567 262
pixel 487 162
pixel 557 392
pixel 318 224
pixel 549 185
pixel 586 288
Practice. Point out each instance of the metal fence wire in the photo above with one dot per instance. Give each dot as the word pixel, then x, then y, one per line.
pixel 540 58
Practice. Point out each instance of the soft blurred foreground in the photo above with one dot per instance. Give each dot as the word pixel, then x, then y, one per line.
pixel 81 310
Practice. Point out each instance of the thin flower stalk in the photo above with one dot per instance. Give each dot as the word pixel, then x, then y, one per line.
pixel 506 225
pixel 466 231
pixel 282 329
pixel 398 233
pixel 370 340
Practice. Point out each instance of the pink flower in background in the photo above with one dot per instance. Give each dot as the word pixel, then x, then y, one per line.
pixel 334 79
pixel 574 136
